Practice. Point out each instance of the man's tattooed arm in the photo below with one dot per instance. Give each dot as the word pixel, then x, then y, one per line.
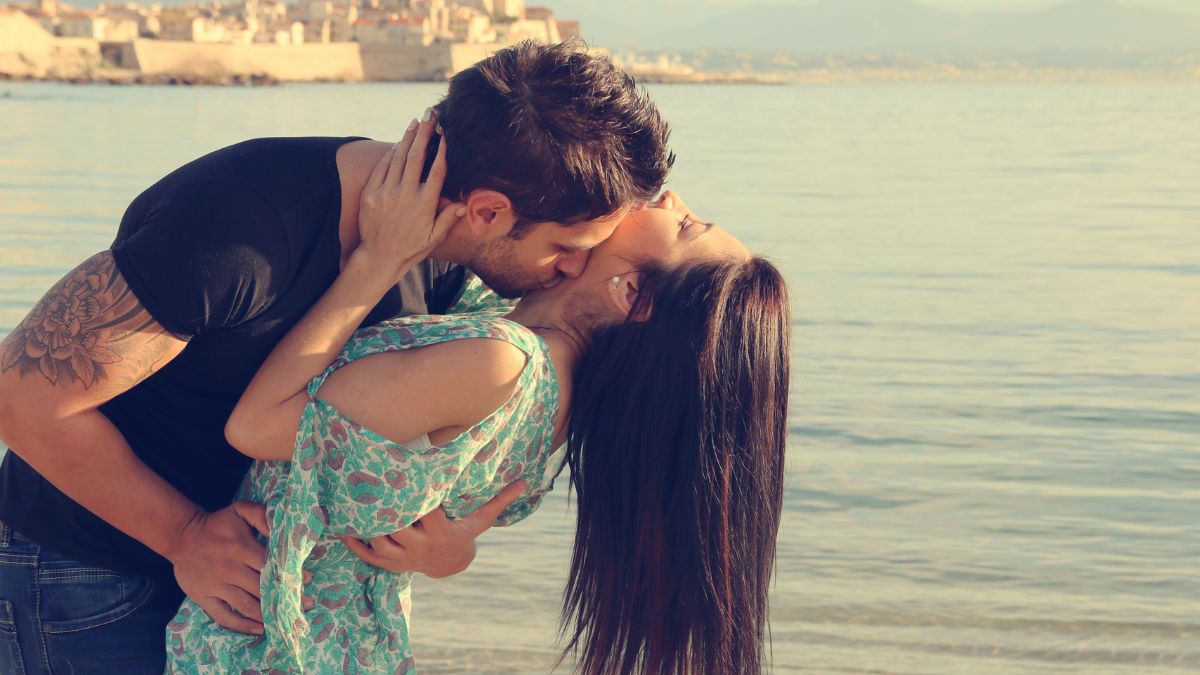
pixel 86 341
pixel 89 331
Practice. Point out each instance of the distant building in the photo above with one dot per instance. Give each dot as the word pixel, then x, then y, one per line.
pixel 317 11
pixel 147 22
pixel 402 39
pixel 569 30
pixel 43 17
pixel 292 34
pixel 102 28
pixel 527 29
pixel 183 24
pixel 317 30
pixel 471 26
pixel 398 30
pixel 487 7
pixel 508 9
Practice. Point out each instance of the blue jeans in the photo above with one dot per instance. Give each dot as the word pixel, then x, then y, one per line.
pixel 58 616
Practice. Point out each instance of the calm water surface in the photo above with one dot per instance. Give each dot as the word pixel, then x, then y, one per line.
pixel 993 463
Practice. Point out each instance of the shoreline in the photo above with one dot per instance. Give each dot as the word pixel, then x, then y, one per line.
pixel 126 77
pixel 120 77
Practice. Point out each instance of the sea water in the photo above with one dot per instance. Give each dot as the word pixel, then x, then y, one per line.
pixel 995 404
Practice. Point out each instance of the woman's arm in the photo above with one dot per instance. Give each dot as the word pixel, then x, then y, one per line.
pixel 399 225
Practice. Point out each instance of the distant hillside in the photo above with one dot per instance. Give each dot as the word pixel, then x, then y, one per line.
pixel 851 25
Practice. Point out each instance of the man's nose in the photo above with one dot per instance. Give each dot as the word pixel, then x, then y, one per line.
pixel 571 264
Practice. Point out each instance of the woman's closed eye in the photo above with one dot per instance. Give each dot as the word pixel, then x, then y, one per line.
pixel 689 224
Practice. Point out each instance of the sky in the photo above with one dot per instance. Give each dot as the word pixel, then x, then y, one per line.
pixel 669 23
pixel 1191 6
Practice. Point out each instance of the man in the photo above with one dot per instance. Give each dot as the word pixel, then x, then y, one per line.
pixel 115 389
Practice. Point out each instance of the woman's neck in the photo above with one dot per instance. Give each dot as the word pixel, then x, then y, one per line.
pixel 546 319
pixel 566 346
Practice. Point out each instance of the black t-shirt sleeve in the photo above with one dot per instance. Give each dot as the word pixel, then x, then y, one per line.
pixel 211 254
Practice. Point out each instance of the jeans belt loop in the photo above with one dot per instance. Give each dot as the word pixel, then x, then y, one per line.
pixel 5 535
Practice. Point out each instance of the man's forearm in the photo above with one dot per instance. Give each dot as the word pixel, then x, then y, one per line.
pixel 87 458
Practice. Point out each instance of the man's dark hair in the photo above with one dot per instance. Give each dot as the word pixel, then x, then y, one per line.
pixel 565 134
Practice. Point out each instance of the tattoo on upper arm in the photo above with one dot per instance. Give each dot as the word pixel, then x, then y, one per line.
pixel 88 321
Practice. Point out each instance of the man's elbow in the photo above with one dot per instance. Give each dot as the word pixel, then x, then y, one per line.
pixel 5 413
pixel 16 414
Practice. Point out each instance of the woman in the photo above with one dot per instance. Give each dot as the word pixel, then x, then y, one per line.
pixel 673 344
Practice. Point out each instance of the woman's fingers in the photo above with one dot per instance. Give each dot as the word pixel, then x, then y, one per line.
pixel 445 220
pixel 416 153
pixel 396 168
pixel 437 172
pixel 379 173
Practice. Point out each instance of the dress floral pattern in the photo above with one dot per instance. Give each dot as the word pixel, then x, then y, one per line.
pixel 345 479
pixel 476 296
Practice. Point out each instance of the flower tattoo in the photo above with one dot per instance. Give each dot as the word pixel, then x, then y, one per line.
pixel 72 333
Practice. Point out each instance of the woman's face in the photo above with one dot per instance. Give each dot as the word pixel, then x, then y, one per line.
pixel 665 231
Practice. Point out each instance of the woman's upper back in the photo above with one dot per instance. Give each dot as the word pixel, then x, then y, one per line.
pixel 367 483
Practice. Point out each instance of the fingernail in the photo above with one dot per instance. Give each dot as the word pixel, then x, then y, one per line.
pixel 412 126
pixel 462 211
pixel 428 115
pixel 438 129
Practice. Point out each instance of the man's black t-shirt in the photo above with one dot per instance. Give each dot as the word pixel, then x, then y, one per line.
pixel 230 251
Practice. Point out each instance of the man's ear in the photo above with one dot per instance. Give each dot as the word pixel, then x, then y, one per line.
pixel 489 214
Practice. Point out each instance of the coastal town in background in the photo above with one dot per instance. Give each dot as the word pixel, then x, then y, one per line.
pixel 263 41
pixel 819 41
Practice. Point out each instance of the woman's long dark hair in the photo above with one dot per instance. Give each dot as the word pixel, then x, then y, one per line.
pixel 677 457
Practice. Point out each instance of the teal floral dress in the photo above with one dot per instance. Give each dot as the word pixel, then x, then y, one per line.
pixel 476 296
pixel 345 479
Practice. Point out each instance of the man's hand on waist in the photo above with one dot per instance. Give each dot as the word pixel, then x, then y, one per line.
pixel 218 561
pixel 435 545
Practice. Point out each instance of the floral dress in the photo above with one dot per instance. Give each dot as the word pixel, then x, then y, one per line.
pixel 345 479
pixel 476 296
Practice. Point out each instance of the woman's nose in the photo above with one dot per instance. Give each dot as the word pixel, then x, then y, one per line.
pixel 671 201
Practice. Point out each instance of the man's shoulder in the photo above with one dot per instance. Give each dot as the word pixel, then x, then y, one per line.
pixel 265 165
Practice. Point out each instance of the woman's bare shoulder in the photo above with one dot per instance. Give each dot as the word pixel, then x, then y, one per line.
pixel 408 393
